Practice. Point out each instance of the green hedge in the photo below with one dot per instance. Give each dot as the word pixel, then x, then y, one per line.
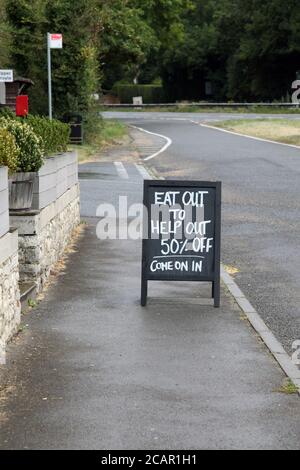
pixel 6 112
pixel 30 149
pixel 54 134
pixel 151 93
pixel 9 151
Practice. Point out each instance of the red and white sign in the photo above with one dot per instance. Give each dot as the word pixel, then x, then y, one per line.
pixel 55 41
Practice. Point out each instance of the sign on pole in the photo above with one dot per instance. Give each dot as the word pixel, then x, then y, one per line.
pixel 182 239
pixel 6 76
pixel 54 41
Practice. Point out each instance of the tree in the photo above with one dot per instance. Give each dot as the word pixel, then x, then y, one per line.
pixel 125 40
pixel 165 19
pixel 75 68
pixel 249 50
pixel 28 46
pixel 267 58
pixel 194 59
pixel 5 36
pixel 246 49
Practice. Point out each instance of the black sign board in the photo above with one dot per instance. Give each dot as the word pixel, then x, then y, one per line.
pixel 182 233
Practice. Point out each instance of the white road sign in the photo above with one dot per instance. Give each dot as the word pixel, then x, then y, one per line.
pixel 55 41
pixel 6 76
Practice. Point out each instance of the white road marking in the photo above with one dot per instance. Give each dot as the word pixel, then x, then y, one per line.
pixel 248 136
pixel 121 170
pixel 163 149
pixel 142 170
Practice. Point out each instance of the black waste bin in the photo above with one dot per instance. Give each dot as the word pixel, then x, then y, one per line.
pixel 75 122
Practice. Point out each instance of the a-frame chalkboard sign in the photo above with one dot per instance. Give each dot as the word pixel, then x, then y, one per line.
pixel 182 233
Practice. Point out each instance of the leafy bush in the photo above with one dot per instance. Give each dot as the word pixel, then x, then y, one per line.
pixel 54 134
pixel 31 150
pixel 6 112
pixel 9 151
pixel 150 93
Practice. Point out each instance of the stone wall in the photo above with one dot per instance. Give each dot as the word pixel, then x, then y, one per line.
pixel 38 238
pixel 4 217
pixel 44 235
pixel 57 175
pixel 10 306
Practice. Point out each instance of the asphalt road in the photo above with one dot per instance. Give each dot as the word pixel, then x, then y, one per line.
pixel 261 206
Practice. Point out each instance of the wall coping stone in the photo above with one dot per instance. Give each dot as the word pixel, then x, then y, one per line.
pixel 58 174
pixel 3 178
pixel 4 216
pixel 31 223
pixel 8 245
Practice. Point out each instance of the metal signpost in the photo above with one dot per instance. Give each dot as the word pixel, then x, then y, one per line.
pixel 54 41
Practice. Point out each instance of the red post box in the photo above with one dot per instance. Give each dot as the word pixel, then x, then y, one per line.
pixel 22 105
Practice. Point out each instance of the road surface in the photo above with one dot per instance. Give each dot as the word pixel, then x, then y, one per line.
pixel 261 205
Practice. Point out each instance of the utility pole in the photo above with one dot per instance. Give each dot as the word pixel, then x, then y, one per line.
pixel 49 76
pixel 54 41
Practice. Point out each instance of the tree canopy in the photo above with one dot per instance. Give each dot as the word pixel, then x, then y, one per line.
pixel 199 49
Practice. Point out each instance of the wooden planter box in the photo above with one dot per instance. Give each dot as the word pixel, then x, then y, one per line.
pixel 21 191
pixel 4 213
pixel 58 174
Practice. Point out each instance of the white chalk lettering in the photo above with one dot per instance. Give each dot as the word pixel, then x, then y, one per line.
pixel 161 266
pixel 165 228
pixel 178 214
pixel 167 199
pixel 197 266
pixel 197 228
pixel 182 266
pixel 201 245
pixel 194 199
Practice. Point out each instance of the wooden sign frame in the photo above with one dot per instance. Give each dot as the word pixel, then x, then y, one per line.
pixel 173 185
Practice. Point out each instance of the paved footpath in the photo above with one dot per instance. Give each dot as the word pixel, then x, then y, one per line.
pixel 94 370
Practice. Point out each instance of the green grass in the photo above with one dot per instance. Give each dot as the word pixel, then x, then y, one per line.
pixel 113 130
pixel 104 134
pixel 208 109
pixel 280 130
pixel 288 388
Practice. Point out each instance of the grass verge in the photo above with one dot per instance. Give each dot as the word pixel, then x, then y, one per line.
pixel 280 130
pixel 103 135
pixel 208 109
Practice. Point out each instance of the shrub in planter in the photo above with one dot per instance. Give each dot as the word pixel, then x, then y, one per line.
pixel 54 134
pixel 31 151
pixel 7 112
pixel 30 160
pixel 9 151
